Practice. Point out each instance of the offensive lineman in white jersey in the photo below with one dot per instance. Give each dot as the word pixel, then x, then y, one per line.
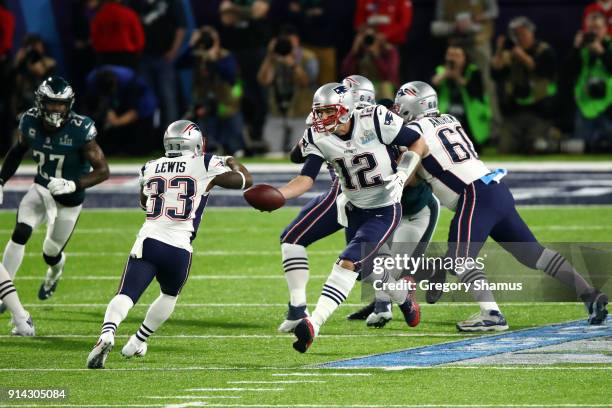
pixel 355 143
pixel 174 192
pixel 483 207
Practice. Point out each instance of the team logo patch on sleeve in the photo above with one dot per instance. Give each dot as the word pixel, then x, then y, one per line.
pixel 388 118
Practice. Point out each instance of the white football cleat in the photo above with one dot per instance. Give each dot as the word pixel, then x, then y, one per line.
pixel 23 327
pixel 294 315
pixel 490 320
pixel 134 348
pixel 381 315
pixel 98 355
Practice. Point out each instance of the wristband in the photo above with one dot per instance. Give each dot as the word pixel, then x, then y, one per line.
pixel 243 179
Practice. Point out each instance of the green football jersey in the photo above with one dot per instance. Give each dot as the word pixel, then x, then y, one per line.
pixel 58 153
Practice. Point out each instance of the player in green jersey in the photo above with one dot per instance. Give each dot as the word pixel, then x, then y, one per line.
pixel 64 147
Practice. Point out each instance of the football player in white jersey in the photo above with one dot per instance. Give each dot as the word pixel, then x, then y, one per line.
pixel 356 144
pixel 483 207
pixel 316 220
pixel 174 192
pixel 20 318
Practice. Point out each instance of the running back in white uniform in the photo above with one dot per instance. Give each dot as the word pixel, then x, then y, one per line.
pixel 452 162
pixel 176 190
pixel 362 159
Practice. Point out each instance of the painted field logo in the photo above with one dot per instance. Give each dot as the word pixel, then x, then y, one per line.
pixel 452 352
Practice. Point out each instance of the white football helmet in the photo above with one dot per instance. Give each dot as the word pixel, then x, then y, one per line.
pixel 184 138
pixel 363 90
pixel 331 95
pixel 414 100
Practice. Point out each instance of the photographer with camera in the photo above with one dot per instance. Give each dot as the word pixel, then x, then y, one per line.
pixel 375 58
pixel 30 67
pixel 461 93
pixel 590 66
pixel 525 70
pixel 291 71
pixel 216 92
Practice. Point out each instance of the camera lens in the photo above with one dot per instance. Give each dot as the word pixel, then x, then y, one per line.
pixel 283 47
pixel 368 39
pixel 589 37
pixel 207 40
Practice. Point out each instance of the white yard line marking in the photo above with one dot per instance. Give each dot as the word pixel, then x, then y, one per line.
pixel 192 397
pixel 237 389
pixel 312 374
pixel 205 404
pixel 316 374
pixel 191 277
pixel 252 336
pixel 284 305
pixel 278 382
pixel 126 253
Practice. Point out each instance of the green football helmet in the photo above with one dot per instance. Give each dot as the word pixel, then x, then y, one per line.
pixel 54 100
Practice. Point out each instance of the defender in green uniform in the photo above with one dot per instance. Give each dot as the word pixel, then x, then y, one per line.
pixel 64 147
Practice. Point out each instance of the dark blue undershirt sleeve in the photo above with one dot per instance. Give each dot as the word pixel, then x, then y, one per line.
pixel 406 137
pixel 312 166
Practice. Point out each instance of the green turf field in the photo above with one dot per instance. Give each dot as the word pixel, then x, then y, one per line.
pixel 221 348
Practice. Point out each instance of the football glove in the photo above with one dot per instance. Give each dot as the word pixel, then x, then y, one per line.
pixel 395 183
pixel 59 186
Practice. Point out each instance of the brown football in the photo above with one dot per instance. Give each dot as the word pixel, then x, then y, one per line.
pixel 264 197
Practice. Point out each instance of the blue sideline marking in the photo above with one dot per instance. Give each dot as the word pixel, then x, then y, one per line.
pixel 478 347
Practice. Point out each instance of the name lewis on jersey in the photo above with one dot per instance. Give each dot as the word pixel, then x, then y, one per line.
pixel 170 167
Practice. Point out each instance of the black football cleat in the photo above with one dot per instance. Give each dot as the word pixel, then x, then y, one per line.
pixel 363 313
pixel 596 304
pixel 44 294
pixel 305 335
pixel 411 311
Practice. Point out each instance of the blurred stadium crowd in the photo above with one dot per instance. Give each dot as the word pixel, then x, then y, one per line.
pixel 245 70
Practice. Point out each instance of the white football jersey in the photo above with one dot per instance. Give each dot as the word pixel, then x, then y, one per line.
pixel 452 162
pixel 362 158
pixel 176 196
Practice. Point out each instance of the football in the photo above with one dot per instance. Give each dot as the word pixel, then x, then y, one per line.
pixel 264 197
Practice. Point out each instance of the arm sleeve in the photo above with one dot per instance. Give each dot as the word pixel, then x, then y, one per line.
pixel 90 130
pixel 406 137
pixel 308 145
pixel 312 166
pixel 12 161
pixel 215 165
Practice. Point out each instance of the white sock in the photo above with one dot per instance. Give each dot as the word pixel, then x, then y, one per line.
pixel 8 295
pixel 13 255
pixel 295 264
pixel 57 268
pixel 484 297
pixel 159 311
pixel 116 311
pixel 335 290
pixel 484 306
